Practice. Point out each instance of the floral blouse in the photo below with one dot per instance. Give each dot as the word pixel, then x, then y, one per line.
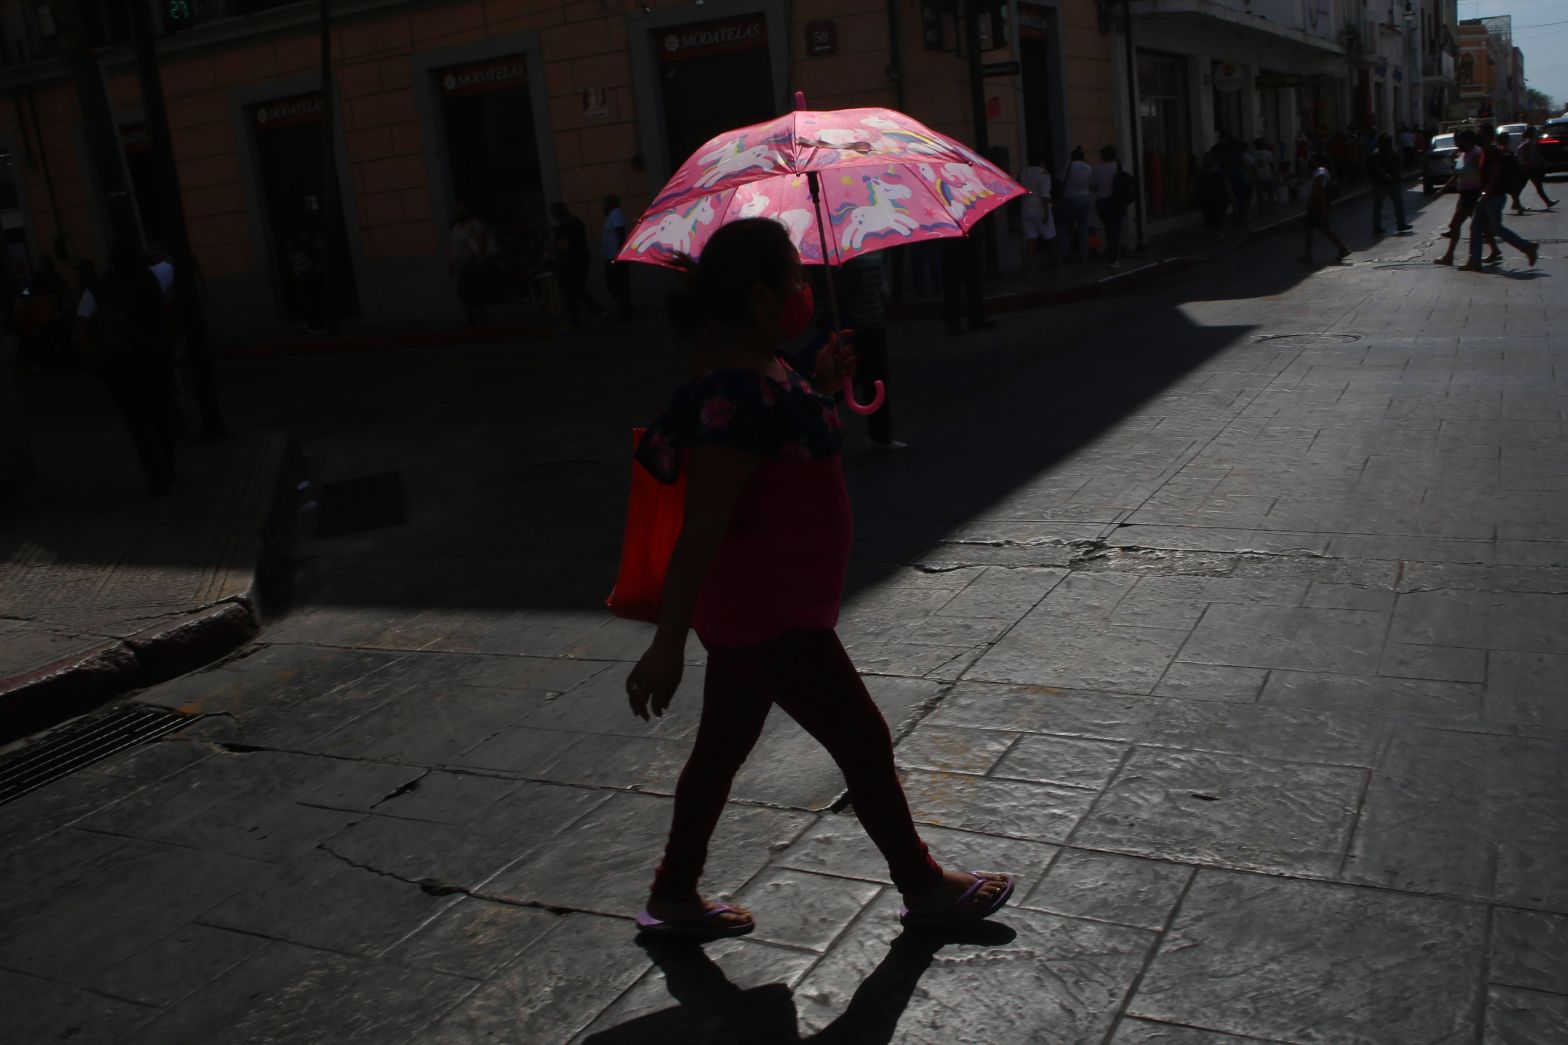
pixel 788 420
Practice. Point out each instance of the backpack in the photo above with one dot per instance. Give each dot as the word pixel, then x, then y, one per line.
pixel 1123 189
pixel 1514 177
pixel 105 339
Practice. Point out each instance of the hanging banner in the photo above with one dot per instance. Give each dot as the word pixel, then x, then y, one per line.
pixel 683 42
pixel 498 74
pixel 288 112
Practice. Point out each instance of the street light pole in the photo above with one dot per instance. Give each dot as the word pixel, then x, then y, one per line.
pixel 98 126
pixel 1134 127
pixel 198 350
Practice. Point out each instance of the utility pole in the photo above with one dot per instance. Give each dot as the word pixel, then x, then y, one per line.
pixel 1134 127
pixel 198 349
pixel 331 203
pixel 98 126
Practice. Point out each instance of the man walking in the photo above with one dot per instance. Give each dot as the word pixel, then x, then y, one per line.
pixel 1466 181
pixel 1112 194
pixel 1494 195
pixel 1385 171
pixel 1317 218
pixel 1529 156
pixel 617 275
pixel 572 262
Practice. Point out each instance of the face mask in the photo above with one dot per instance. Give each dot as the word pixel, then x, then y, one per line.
pixel 799 307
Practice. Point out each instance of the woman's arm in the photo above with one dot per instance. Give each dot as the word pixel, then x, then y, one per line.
pixel 715 476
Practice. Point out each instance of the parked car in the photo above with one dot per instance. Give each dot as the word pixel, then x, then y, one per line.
pixel 1553 142
pixel 1515 131
pixel 1437 164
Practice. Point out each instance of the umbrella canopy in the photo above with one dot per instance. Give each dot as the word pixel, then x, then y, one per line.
pixel 885 180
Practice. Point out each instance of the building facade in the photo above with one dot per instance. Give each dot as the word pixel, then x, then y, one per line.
pixel 503 106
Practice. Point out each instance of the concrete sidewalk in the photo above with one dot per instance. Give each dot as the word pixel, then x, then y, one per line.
pixel 103 588
pixel 1230 618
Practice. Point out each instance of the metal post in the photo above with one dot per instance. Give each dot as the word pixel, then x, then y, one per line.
pixel 103 137
pixel 331 204
pixel 198 349
pixel 1134 129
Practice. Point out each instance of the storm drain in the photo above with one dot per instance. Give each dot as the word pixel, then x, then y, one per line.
pixel 1304 340
pixel 367 502
pixel 80 744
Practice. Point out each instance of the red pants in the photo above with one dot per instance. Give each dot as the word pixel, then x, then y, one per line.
pixel 808 674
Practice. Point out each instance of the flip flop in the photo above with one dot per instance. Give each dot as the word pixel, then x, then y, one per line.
pixel 951 918
pixel 699 928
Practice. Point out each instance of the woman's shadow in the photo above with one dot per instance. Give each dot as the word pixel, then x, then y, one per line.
pixel 714 1010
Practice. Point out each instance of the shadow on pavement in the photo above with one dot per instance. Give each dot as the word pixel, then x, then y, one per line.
pixel 713 1010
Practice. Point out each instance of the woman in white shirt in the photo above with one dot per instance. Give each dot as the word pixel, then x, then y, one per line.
pixel 1110 209
pixel 1077 199
pixel 1038 221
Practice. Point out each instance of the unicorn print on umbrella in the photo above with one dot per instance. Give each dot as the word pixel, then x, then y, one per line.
pixel 734 157
pixel 675 230
pixel 957 184
pixel 882 214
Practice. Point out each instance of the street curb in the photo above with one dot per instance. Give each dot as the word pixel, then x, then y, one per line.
pixel 1046 297
pixel 73 685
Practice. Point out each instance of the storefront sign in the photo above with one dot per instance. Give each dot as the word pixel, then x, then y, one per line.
pixel 596 103
pixel 1034 21
pixel 134 137
pixel 683 42
pixel 288 112
pixel 821 38
pixel 1228 77
pixel 496 75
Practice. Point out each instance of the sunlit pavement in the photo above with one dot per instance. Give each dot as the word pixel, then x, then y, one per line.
pixel 1229 615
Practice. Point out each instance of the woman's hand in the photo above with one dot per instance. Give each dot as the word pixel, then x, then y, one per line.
pixel 655 679
pixel 836 362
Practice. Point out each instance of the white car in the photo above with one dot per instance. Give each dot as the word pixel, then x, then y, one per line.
pixel 1437 163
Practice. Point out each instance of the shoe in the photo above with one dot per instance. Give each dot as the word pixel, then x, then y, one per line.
pixel 703 927
pixel 1343 255
pixel 1442 261
pixel 891 444
pixel 1451 234
pixel 1471 266
pixel 1532 252
pixel 1493 259
pixel 952 917
pixel 1550 204
pixel 1406 228
pixel 1521 210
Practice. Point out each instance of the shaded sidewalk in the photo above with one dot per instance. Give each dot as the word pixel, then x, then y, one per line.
pixel 104 588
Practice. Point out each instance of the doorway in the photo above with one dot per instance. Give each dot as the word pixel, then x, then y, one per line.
pixel 145 183
pixel 1034 56
pixel 289 154
pixel 714 77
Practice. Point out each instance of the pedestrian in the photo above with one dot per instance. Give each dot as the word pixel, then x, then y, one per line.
pixel 962 294
pixel 1233 163
pixel 1077 200
pixel 865 313
pixel 1039 224
pixel 307 265
pixel 47 323
pixel 1529 156
pixel 468 254
pixel 1387 177
pixel 1514 177
pixel 1214 195
pixel 1466 182
pixel 127 344
pixel 1407 147
pixel 1267 171
pixel 1113 192
pixel 1488 216
pixel 572 263
pixel 757 573
pixel 1316 218
pixel 617 275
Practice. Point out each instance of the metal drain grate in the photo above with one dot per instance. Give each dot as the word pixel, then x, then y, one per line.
pixel 80 744
pixel 368 502
pixel 1304 340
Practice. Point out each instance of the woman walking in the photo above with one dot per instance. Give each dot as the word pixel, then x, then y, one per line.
pixel 757 573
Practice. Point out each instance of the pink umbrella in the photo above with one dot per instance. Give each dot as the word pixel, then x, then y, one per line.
pixel 881 178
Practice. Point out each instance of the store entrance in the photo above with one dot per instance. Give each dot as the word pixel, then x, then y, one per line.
pixel 1034 55
pixel 145 183
pixel 289 153
pixel 492 149
pixel 715 77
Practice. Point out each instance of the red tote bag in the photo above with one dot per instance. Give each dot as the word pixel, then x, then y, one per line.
pixel 654 513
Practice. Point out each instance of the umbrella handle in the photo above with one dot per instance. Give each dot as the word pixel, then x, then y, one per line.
pixel 865 408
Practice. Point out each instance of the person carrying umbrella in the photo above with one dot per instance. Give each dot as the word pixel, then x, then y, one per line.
pixel 757 572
